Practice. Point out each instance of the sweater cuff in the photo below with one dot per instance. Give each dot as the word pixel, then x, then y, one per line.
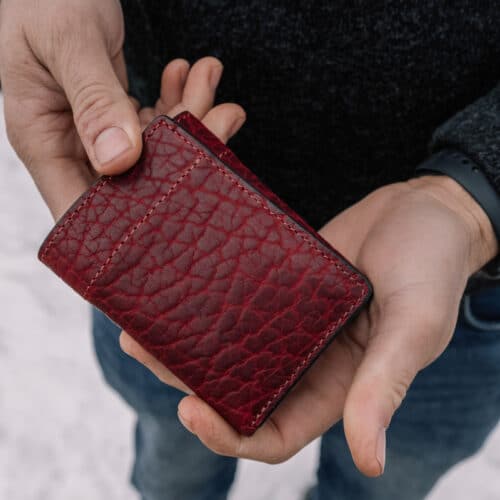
pixel 475 131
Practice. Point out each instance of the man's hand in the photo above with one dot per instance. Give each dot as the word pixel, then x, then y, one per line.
pixel 418 242
pixel 67 111
pixel 64 81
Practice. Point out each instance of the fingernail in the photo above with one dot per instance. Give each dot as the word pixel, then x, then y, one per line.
pixel 185 420
pixel 381 444
pixel 110 144
pixel 215 74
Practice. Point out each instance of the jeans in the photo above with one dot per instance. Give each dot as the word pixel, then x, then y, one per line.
pixel 448 413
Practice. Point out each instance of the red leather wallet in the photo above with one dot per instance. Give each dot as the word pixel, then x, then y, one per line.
pixel 208 270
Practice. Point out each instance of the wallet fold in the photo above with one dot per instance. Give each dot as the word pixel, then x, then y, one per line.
pixel 208 270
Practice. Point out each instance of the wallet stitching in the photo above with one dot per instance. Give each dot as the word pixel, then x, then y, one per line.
pixel 304 238
pixel 231 178
pixel 84 202
pixel 145 217
pixel 203 154
pixel 304 362
pixel 72 216
pixel 259 201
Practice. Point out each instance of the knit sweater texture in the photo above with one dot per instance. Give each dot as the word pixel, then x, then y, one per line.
pixel 341 96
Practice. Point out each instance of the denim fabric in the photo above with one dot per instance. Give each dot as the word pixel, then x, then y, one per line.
pixel 449 411
pixel 170 463
pixel 447 414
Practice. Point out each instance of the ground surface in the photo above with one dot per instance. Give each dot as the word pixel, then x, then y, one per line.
pixel 63 433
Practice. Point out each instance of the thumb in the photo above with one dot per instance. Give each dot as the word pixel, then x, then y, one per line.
pixel 105 118
pixel 403 342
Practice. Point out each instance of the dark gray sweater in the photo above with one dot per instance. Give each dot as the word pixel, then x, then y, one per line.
pixel 342 96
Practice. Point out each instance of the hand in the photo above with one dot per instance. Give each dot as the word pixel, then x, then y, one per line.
pixel 67 111
pixel 418 242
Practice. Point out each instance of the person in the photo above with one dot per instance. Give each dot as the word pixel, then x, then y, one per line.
pixel 342 102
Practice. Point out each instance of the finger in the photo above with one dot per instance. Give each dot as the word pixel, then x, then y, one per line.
pixel 106 120
pixel 120 68
pixel 62 183
pixel 225 120
pixel 312 407
pixel 266 444
pixel 199 91
pixel 403 343
pixel 135 103
pixel 173 80
pixel 145 116
pixel 135 350
pixel 172 85
pixel 277 440
pixel 272 443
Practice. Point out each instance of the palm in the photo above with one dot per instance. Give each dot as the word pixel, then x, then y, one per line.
pixel 382 243
pixel 395 235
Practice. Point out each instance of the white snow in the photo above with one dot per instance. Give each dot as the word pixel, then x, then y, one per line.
pixel 63 433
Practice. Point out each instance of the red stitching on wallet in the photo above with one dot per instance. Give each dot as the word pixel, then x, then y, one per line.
pixel 139 224
pixel 94 191
pixel 277 394
pixel 90 195
pixel 304 361
pixel 258 200
pixel 281 217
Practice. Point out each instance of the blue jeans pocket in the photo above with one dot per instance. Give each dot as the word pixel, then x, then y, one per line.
pixel 481 310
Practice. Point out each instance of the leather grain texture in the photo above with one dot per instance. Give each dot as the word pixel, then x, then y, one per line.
pixel 208 270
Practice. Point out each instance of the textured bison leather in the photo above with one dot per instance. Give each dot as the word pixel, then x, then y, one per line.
pixel 208 270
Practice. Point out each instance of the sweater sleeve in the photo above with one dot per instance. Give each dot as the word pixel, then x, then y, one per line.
pixel 475 131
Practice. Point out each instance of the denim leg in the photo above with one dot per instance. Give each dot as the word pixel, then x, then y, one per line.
pixel 448 413
pixel 170 463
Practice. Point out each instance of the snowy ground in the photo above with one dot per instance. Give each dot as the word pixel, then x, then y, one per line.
pixel 63 433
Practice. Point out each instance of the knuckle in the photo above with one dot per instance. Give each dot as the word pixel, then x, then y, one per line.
pixel 53 38
pixel 103 23
pixel 91 102
pixel 399 389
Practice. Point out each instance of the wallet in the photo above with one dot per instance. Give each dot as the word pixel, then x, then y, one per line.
pixel 209 270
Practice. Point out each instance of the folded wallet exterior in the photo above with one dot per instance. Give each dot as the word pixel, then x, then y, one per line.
pixel 208 270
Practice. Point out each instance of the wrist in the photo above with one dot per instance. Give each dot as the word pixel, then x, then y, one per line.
pixel 483 243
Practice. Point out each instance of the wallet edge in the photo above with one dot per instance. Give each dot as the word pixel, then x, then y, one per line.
pixel 261 416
